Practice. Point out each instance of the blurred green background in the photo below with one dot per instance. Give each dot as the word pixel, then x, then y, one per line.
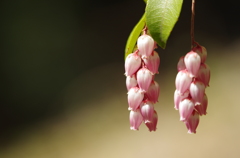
pixel 63 90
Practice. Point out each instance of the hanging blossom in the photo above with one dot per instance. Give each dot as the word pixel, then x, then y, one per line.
pixel 191 81
pixel 143 91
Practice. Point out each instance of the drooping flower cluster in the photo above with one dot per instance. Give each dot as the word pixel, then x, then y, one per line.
pixel 192 79
pixel 143 91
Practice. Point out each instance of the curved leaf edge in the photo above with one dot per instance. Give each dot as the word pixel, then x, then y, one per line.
pixel 132 39
pixel 156 36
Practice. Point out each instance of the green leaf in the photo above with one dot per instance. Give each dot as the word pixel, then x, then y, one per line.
pixel 132 39
pixel 161 16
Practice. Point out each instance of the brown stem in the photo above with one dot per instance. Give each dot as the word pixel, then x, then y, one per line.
pixel 192 23
pixel 145 30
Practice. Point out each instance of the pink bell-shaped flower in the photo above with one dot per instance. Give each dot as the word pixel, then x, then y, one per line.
pixel 147 110
pixel 202 108
pixel 135 119
pixel 144 79
pixel 204 74
pixel 192 61
pixel 192 122
pixel 181 64
pixel 135 97
pixel 132 64
pixel 197 90
pixel 183 81
pixel 152 125
pixel 202 52
pixel 186 107
pixel 152 62
pixel 153 92
pixel 179 97
pixel 145 44
pixel 131 82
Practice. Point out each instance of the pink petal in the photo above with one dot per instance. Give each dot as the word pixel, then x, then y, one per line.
pixel 197 90
pixel 204 74
pixel 202 52
pixel 145 44
pixel 192 122
pixel 192 61
pixel 186 107
pixel 179 97
pixel 144 79
pixel 147 110
pixel 202 108
pixel 153 92
pixel 183 81
pixel 135 119
pixel 152 126
pixel 181 64
pixel 132 64
pixel 135 97
pixel 131 82
pixel 152 62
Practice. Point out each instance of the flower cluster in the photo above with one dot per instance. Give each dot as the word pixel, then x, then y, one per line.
pixel 143 91
pixel 192 79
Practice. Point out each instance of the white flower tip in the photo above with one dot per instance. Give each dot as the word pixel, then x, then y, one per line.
pixel 179 93
pixel 144 57
pixel 175 108
pixel 191 132
pixel 192 76
pixel 182 119
pixel 134 129
pixel 147 121
pixel 197 103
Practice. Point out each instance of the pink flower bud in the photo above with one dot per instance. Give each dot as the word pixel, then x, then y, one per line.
pixel 179 97
pixel 186 107
pixel 204 74
pixel 135 97
pixel 202 52
pixel 147 110
pixel 192 122
pixel 144 79
pixel 152 126
pixel 131 82
pixel 192 61
pixel 197 90
pixel 181 64
pixel 152 62
pixel 202 108
pixel 145 44
pixel 132 64
pixel 183 81
pixel 153 92
pixel 135 119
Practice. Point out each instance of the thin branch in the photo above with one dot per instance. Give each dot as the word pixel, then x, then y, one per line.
pixel 192 23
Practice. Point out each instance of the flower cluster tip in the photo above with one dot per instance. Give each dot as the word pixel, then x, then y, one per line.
pixel 143 91
pixel 191 81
